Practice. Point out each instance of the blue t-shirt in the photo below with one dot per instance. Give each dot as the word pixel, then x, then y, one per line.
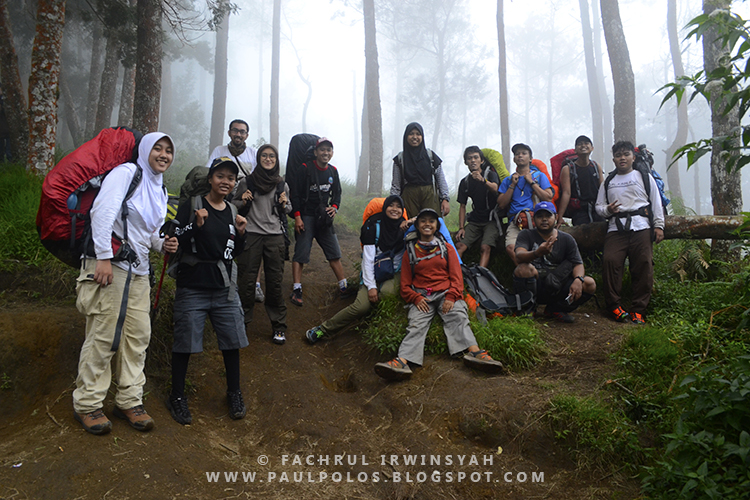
pixel 522 194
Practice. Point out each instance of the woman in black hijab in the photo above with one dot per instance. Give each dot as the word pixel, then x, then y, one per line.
pixel 418 175
pixel 382 241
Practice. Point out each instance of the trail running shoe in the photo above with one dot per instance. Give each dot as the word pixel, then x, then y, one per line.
pixel 637 318
pixel 259 296
pixel 314 334
pixel 559 316
pixel 237 408
pixel 619 314
pixel 394 369
pixel 296 297
pixel 482 361
pixel 178 407
pixel 279 338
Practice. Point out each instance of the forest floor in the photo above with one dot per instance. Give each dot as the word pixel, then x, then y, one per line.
pixel 320 423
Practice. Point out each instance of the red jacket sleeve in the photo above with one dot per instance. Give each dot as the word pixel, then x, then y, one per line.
pixel 407 292
pixel 456 290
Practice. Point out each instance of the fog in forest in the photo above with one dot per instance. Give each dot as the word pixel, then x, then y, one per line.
pixel 322 43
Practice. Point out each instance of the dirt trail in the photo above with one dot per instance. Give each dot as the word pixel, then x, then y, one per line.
pixel 304 401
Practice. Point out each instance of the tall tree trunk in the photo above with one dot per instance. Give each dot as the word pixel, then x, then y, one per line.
pixel 355 116
pixel 597 121
pixel 372 94
pixel 259 112
pixel 218 111
pixel 441 88
pixel 108 86
pixel 148 70
pixel 726 187
pixel 599 62
pixel 550 83
pixel 15 101
pixel 71 118
pixel 95 77
pixel 503 75
pixel 43 84
pixel 363 169
pixel 166 107
pixel 622 72
pixel 275 65
pixel 125 114
pixel 673 173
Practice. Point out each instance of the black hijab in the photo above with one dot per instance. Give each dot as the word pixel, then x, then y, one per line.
pixel 391 236
pixel 264 180
pixel 417 165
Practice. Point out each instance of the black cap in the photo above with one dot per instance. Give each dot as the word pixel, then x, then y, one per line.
pixel 223 161
pixel 521 145
pixel 582 138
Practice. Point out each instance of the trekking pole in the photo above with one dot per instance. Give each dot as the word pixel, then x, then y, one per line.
pixel 167 230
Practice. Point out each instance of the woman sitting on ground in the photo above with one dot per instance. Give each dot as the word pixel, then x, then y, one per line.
pixel 211 234
pixel 433 283
pixel 381 234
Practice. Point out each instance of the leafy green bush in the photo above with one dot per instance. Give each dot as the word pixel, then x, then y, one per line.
pixel 19 201
pixel 708 454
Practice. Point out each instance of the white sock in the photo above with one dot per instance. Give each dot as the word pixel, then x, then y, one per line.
pixel 342 284
pixel 297 286
pixel 257 284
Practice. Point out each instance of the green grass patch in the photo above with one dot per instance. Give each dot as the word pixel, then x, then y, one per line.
pixel 20 193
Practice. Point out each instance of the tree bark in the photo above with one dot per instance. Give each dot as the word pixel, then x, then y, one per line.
pixel 218 112
pixel 372 94
pixel 673 173
pixel 125 114
pixel 166 106
pixel 599 62
pixel 259 112
pixel 355 123
pixel 595 100
pixel 95 77
pixel 503 75
pixel 43 85
pixel 363 170
pixel 726 187
pixel 148 70
pixel 622 72
pixel 275 62
pixel 71 118
pixel 591 236
pixel 15 102
pixel 108 86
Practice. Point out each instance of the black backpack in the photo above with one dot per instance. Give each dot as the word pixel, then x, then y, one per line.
pixel 301 147
pixel 494 297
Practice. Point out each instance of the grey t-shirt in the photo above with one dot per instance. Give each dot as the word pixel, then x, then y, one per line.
pixel 565 248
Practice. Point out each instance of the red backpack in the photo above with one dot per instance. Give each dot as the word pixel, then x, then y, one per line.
pixel 69 190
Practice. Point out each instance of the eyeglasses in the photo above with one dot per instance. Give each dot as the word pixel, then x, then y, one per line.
pixel 238 131
pixel 266 156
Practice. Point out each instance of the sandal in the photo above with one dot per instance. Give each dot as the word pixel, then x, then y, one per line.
pixel 394 369
pixel 482 361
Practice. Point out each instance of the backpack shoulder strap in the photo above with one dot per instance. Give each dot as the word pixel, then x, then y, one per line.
pixel 606 184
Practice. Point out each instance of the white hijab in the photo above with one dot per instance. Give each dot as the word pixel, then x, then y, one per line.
pixel 150 199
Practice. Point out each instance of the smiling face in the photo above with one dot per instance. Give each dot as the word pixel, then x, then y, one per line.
pixel 394 211
pixel 222 181
pixel 584 147
pixel 323 154
pixel 427 227
pixel 268 158
pixel 238 133
pixel 161 155
pixel 414 138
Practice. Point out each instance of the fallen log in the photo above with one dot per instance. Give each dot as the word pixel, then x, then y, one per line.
pixel 696 227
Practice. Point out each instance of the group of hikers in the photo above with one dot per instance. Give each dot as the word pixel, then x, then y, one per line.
pixel 223 236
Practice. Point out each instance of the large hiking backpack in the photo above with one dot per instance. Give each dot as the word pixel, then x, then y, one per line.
pixel 69 190
pixel 560 160
pixel 495 158
pixel 494 298
pixel 301 150
pixel 539 165
pixel 195 184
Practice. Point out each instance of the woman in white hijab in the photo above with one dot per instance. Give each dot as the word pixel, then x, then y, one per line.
pixel 113 293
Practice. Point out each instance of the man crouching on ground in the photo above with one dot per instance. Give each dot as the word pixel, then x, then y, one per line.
pixel 550 266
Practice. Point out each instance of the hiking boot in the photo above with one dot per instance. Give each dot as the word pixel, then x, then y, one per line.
pixel 279 338
pixel 482 361
pixel 559 316
pixel 259 296
pixel 314 334
pixel 136 417
pixel 637 318
pixel 95 422
pixel 619 314
pixel 178 407
pixel 237 408
pixel 296 297
pixel 394 369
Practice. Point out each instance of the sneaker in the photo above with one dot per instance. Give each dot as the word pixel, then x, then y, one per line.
pixel 619 314
pixel 314 334
pixel 95 422
pixel 637 318
pixel 394 369
pixel 481 360
pixel 237 408
pixel 259 296
pixel 279 338
pixel 559 316
pixel 296 297
pixel 136 417
pixel 178 407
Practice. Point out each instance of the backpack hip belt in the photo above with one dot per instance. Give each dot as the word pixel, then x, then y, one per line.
pixel 628 216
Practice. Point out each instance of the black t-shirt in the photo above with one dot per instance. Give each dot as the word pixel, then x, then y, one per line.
pixel 328 184
pixel 587 181
pixel 565 248
pixel 216 240
pixel 484 200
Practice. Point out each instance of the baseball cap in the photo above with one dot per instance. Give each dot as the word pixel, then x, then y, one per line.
pixel 581 139
pixel 521 145
pixel 546 206
pixel 223 161
pixel 323 140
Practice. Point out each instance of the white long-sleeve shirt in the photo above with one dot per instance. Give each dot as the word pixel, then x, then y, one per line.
pixel 368 265
pixel 629 191
pixel 247 159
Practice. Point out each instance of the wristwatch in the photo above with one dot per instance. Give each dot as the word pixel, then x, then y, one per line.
pixel 579 278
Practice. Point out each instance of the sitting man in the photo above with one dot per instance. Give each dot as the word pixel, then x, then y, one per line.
pixel 432 283
pixel 550 265
pixel 518 192
pixel 481 186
